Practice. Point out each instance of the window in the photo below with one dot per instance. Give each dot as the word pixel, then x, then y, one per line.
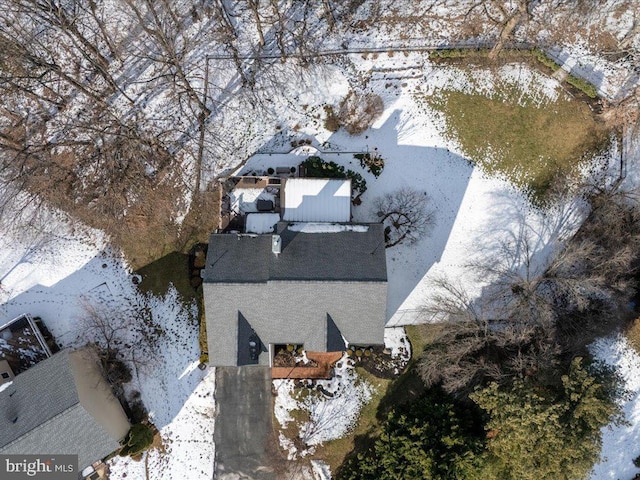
pixel 5 375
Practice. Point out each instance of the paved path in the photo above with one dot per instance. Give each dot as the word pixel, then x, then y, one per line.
pixel 246 446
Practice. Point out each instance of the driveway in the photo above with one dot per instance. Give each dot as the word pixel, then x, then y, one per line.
pixel 246 447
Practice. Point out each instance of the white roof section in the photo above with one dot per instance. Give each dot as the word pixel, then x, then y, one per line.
pixel 317 200
pixel 261 222
pixel 312 227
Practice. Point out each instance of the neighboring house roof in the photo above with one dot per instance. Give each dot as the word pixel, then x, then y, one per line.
pixel 348 255
pixel 316 200
pixel 62 405
pixel 322 287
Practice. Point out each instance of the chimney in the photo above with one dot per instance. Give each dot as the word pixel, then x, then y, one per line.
pixel 276 244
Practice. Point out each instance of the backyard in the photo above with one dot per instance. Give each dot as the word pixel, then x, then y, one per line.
pixel 515 132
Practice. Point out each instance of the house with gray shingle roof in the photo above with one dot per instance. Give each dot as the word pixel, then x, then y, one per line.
pixel 319 285
pixel 62 405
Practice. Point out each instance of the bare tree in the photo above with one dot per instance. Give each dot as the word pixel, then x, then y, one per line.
pixel 533 316
pixel 254 6
pixel 508 19
pixel 122 337
pixel 478 344
pixel 358 112
pixel 405 214
pixel 467 354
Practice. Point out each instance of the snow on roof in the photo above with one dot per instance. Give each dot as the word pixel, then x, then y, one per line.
pixel 245 200
pixel 261 222
pixel 317 200
pixel 311 227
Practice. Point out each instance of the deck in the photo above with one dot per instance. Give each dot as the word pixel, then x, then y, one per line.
pixel 325 361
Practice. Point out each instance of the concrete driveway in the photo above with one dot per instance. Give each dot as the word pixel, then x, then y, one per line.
pixel 246 447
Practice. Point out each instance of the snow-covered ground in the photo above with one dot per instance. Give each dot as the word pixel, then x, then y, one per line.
pixel 620 444
pixel 187 439
pixel 475 214
pixel 330 416
pixel 60 272
pixel 332 405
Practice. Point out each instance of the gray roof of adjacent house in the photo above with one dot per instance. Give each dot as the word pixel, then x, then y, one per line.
pixel 323 289
pixel 61 406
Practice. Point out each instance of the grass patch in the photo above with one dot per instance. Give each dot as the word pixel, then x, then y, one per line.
pixel 447 53
pixel 422 335
pixel 170 269
pixel 511 135
pixel 173 269
pixel 454 55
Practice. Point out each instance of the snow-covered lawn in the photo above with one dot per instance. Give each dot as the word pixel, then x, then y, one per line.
pixel 477 218
pixel 620 444
pixel 331 415
pixel 475 214
pixel 55 272
pixel 188 443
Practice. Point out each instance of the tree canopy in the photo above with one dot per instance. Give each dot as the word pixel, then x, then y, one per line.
pixel 432 438
pixel 536 433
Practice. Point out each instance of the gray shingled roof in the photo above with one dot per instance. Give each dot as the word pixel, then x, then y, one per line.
pixel 49 418
pixel 292 312
pixel 343 256
pixel 320 287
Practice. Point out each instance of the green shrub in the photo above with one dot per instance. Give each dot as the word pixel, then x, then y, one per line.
pixel 544 59
pixel 582 85
pixel 204 358
pixel 579 83
pixel 562 429
pixel 139 438
pixel 429 438
pixel 458 53
pixel 373 163
pixel 358 184
pixel 316 167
